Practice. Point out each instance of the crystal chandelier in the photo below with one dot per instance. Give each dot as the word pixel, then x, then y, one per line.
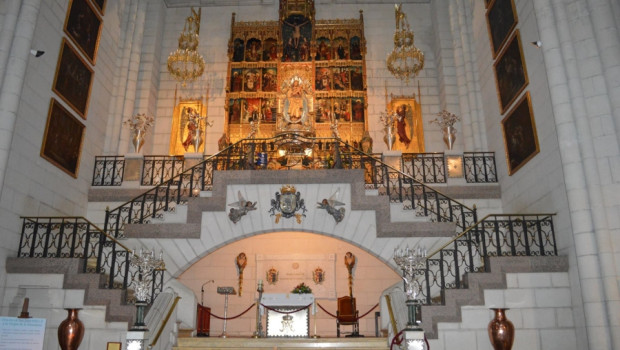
pixel 185 63
pixel 405 61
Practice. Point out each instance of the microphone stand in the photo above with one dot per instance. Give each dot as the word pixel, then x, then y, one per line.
pixel 202 292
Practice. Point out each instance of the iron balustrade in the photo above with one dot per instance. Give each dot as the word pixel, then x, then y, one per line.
pixel 494 235
pixel 108 171
pixel 157 169
pixel 479 167
pixel 326 153
pixel 425 167
pixel 76 237
pixel 429 168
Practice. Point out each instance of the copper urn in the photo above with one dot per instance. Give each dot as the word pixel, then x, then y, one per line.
pixel 501 330
pixel 70 331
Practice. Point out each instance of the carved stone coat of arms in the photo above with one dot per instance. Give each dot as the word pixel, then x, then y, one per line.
pixel 287 204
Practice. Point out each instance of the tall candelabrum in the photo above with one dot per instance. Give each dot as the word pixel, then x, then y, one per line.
pixel 410 261
pixel 146 262
pixel 259 326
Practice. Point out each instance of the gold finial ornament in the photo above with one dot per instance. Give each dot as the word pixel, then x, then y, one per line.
pixel 405 61
pixel 287 189
pixel 185 63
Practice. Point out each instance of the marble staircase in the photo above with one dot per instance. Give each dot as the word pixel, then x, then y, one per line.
pixel 477 283
pixel 113 299
pixel 281 343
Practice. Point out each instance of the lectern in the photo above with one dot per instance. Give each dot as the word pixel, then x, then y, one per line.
pixel 226 291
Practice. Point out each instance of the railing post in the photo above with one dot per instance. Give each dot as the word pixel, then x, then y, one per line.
pixel 156 190
pixel 74 236
pixel 86 247
pixel 61 232
pixel 21 238
pixel 112 266
pixel 47 237
pixel 442 279
pixel 428 283
pixel 497 240
pixel 526 237
pixel 457 273
pixel 512 237
pixel 128 257
pixel 102 239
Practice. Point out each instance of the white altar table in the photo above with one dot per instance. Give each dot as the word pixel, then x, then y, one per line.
pixel 295 324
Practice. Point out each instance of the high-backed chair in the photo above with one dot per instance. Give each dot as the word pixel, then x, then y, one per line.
pixel 347 315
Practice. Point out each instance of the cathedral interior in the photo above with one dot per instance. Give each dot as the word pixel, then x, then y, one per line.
pixel 290 174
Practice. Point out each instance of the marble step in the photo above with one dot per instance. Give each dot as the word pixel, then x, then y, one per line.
pixel 281 343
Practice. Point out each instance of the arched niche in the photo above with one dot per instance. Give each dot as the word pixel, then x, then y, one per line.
pixel 370 277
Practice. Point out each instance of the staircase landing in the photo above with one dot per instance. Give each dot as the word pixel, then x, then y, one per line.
pixel 281 343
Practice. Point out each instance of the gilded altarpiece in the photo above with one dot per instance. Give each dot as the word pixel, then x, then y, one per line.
pixel 297 74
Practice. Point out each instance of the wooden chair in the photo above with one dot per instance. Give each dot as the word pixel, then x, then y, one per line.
pixel 347 315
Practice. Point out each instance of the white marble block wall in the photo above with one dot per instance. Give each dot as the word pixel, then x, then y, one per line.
pixel 540 309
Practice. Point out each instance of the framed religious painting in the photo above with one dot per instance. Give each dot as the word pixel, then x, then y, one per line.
pixel 83 26
pixel 323 112
pixel 269 110
pixel 357 109
pixel 73 79
pixel 62 141
pixel 100 5
pixel 184 129
pixel 520 138
pixel 270 79
pixel 409 133
pixel 501 20
pixel 510 72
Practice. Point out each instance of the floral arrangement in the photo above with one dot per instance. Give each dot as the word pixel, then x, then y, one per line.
pixel 445 119
pixel 387 118
pixel 139 122
pixel 301 288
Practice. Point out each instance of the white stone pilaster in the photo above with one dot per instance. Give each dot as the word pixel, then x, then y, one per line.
pixel 133 71
pixel 14 78
pixel 112 141
pixel 566 66
pixel 6 34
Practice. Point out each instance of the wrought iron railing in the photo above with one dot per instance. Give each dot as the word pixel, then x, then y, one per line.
pixel 157 169
pixel 479 167
pixel 108 171
pixel 468 252
pixel 311 153
pixel 425 167
pixel 428 168
pixel 76 237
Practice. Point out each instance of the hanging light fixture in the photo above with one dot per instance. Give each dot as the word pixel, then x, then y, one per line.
pixel 185 63
pixel 405 61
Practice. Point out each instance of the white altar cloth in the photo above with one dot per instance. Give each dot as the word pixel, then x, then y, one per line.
pixel 283 324
pixel 287 299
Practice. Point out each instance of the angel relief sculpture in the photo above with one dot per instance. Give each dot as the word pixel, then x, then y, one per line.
pixel 240 208
pixel 330 205
pixel 296 97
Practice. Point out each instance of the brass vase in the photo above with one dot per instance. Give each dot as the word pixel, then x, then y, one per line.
pixel 389 138
pixel 501 330
pixel 137 140
pixel 71 331
pixel 449 136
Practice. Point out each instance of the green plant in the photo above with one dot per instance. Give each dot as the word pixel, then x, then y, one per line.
pixel 301 288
